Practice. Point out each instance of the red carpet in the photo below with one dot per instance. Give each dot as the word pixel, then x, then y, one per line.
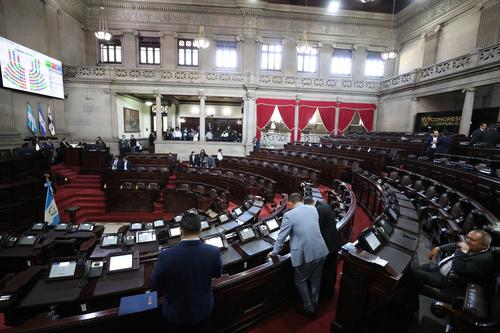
pixel 288 320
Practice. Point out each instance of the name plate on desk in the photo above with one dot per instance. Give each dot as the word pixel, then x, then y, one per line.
pixel 138 303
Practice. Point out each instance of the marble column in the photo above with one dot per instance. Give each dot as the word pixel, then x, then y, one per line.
pixel 296 120
pixel 129 49
pixel 249 117
pixel 158 120
pixel 203 115
pixel 168 45
pixel 337 115
pixel 114 115
pixel 358 63
pixel 467 111
pixel 289 62
pixel 413 114
pixel 431 45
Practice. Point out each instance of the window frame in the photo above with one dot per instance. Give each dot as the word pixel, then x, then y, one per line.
pixel 374 56
pixel 108 45
pixel 274 53
pixel 332 62
pixel 152 44
pixel 192 48
pixel 226 45
pixel 304 55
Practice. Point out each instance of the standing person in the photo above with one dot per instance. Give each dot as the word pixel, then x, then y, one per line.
pixel 62 148
pixel 123 145
pixel 177 134
pixel 125 164
pixel 184 273
pixel 48 146
pixel 446 141
pixel 219 158
pixel 328 228
pixel 490 136
pixel 192 159
pixel 307 250
pixel 477 134
pixel 433 141
pixel 256 144
pixel 133 143
pixel 151 139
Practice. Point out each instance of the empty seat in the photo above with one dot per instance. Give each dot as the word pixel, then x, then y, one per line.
pixel 126 185
pixel 153 186
pixel 140 186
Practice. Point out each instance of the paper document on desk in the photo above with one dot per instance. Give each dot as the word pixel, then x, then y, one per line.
pixel 138 303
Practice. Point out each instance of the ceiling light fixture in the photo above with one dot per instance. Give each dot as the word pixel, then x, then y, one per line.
pixel 148 103
pixel 102 30
pixel 333 6
pixel 303 45
pixel 391 52
pixel 201 42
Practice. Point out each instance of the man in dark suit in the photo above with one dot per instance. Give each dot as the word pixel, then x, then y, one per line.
pixel 125 164
pixel 470 261
pixel 446 141
pixel 432 143
pixel 328 228
pixel 184 273
pixel 192 159
pixel 477 134
pixel 490 136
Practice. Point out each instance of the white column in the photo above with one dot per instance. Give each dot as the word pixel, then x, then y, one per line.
pixel 250 118
pixel 158 120
pixel 129 49
pixel 296 119
pixel 358 64
pixel 413 114
pixel 114 115
pixel 203 115
pixel 337 115
pixel 325 61
pixel 467 111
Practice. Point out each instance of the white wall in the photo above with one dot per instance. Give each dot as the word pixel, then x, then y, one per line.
pixel 394 115
pixel 411 56
pixel 144 116
pixel 458 37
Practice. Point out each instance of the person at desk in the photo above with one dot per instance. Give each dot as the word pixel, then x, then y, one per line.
pixel 133 143
pixel 125 164
pixel 36 144
pixel 192 159
pixel 490 136
pixel 62 148
pixel 123 146
pixel 48 147
pixel 184 273
pixel 446 141
pixel 477 134
pixel 328 227
pixel 82 144
pixel 115 163
pixel 433 141
pixel 470 261
pixel 99 141
pixel 307 250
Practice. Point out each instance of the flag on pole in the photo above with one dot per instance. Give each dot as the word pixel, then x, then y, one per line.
pixel 51 211
pixel 52 129
pixel 31 119
pixel 41 121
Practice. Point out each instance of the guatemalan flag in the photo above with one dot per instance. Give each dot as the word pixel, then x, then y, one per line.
pixel 31 119
pixel 41 121
pixel 52 129
pixel 51 211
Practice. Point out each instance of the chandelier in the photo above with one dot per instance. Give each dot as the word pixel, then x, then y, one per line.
pixel 391 52
pixel 201 41
pixel 102 30
pixel 303 45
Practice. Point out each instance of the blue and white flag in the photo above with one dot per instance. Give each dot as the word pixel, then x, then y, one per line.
pixel 41 121
pixel 51 211
pixel 31 119
pixel 52 128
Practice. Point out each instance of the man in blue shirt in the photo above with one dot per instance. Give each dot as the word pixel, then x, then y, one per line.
pixel 184 273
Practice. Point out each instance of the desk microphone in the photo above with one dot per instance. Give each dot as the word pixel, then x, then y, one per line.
pixel 408 236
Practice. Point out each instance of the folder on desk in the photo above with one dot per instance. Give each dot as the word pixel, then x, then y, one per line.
pixel 138 303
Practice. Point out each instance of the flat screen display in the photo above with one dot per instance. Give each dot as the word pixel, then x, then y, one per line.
pixel 145 236
pixel 204 225
pixel 27 70
pixel 238 211
pixel 215 241
pixel 109 240
pixel 121 262
pixel 86 227
pixel 62 269
pixel 38 226
pixel 136 226
pixel 28 240
pixel 387 227
pixel 175 231
pixel 372 241
pixel 178 218
pixel 62 226
pixel 247 233
pixel 393 213
pixel 223 218
pixel 272 225
pixel 158 223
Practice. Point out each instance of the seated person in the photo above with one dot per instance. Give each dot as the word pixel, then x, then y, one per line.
pixel 115 163
pixel 477 134
pixel 470 261
pixel 490 136
pixel 432 143
pixel 100 144
pixel 125 164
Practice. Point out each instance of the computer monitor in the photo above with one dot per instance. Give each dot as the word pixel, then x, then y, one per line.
pixel 216 241
pixel 109 240
pixel 61 269
pixel 369 240
pixel 223 218
pixel 158 223
pixel 272 225
pixel 385 225
pixel 178 218
pixel 205 225
pixel 39 226
pixel 62 226
pixel 145 236
pixel 237 211
pixel 28 240
pixel 246 234
pixel 192 211
pixel 86 227
pixel 174 231
pixel 120 262
pixel 248 204
pixel 392 213
pixel 135 226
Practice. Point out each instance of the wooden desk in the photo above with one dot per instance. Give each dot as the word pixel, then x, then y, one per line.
pixel 94 161
pixel 122 200
pixel 72 156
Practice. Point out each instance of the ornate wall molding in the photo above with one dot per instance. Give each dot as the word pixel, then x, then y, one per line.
pixel 468 64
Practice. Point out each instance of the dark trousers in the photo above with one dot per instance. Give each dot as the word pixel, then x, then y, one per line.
pixel 328 277
pixel 428 274
pixel 203 326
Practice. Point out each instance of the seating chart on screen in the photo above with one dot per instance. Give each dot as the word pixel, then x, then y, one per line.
pixel 31 71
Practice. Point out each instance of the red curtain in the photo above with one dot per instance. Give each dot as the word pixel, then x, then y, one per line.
pixel 265 109
pixel 287 112
pixel 366 113
pixel 326 111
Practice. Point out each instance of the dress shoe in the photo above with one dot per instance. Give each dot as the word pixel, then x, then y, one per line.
pixel 300 310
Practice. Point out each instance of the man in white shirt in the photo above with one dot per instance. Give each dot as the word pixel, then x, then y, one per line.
pixel 177 134
pixel 209 136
